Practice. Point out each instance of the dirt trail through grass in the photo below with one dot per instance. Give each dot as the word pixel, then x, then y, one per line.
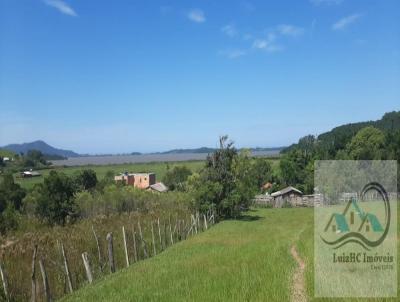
pixel 298 282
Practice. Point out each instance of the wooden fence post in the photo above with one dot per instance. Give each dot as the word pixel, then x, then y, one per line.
pixel 183 230
pixel 125 247
pixel 33 277
pixel 165 236
pixel 153 239
pixel 179 237
pixel 170 232
pixel 146 255
pixel 111 252
pixel 86 263
pixel 175 231
pixel 46 286
pixel 5 283
pixel 159 233
pixel 194 222
pixel 98 249
pixel 67 273
pixel 135 251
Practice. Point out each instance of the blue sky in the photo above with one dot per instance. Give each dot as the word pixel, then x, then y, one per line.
pixel 123 76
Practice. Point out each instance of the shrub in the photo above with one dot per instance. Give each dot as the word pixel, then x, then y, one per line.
pixel 175 178
pixel 55 199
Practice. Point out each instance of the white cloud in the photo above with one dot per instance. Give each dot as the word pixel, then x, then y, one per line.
pixel 260 44
pixel 326 2
pixel 196 15
pixel 62 7
pixel 266 45
pixel 229 30
pixel 269 41
pixel 345 22
pixel 290 30
pixel 233 53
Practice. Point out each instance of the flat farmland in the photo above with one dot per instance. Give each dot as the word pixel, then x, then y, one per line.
pixel 160 168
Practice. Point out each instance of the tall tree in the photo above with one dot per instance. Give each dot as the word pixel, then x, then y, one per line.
pixel 176 177
pixel 55 202
pixel 86 179
pixel 225 183
pixel 368 143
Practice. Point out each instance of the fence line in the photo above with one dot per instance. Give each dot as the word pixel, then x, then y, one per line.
pixel 182 229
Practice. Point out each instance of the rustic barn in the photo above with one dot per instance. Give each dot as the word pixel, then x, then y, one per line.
pixel 287 195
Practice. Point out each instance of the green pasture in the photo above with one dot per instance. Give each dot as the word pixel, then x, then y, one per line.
pixel 159 168
pixel 237 260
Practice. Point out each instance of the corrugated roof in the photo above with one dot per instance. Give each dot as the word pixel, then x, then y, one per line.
pixel 285 191
pixel 159 187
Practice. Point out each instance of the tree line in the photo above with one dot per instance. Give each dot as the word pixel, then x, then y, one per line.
pixel 379 140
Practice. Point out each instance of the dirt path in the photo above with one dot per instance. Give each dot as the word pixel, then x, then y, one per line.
pixel 298 281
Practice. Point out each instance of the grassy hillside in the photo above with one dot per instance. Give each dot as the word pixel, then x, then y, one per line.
pixel 245 260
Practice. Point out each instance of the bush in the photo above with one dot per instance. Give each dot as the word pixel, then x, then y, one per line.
pixel 55 199
pixel 8 220
pixel 86 179
pixel 227 183
pixel 175 178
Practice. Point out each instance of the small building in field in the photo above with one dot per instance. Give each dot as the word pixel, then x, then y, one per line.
pixel 139 180
pixel 28 174
pixel 289 195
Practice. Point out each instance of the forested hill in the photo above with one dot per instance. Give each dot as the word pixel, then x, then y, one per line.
pixel 39 146
pixel 340 136
pixel 373 140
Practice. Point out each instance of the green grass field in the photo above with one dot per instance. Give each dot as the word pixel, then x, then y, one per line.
pixel 242 260
pixel 159 168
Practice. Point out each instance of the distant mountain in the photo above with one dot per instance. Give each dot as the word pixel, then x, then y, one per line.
pixel 40 146
pixel 277 149
pixel 197 150
pixel 210 150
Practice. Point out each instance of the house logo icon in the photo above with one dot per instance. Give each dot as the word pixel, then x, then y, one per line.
pixel 356 225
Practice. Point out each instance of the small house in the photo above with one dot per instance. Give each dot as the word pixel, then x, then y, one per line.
pixel 138 180
pixel 289 194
